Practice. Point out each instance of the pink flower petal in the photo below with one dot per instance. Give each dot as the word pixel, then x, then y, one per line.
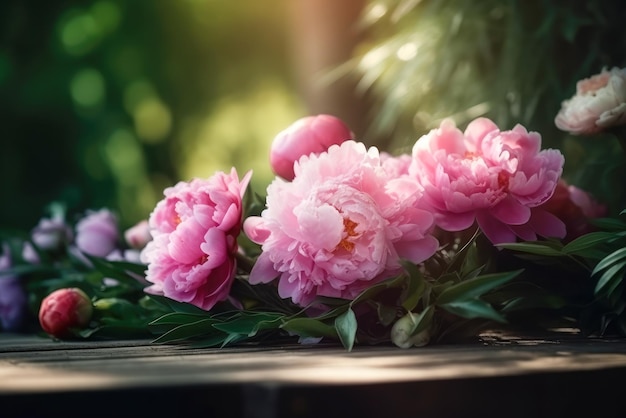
pixel 546 224
pixel 496 231
pixel 511 212
pixel 263 270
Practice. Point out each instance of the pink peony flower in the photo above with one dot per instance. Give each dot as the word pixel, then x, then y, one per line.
pixel 495 178
pixel 311 134
pixel 195 228
pixel 396 166
pixel 97 233
pixel 138 235
pixel 340 226
pixel 65 310
pixel 599 103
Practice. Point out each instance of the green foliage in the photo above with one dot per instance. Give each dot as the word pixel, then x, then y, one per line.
pixel 512 61
pixel 433 59
pixel 103 101
pixel 346 326
pixel 598 257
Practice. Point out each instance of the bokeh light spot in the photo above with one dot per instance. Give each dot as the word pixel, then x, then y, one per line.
pixel 153 120
pixel 107 14
pixel 124 157
pixel 79 33
pixel 87 88
pixel 136 92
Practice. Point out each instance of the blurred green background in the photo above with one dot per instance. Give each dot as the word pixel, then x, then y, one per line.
pixel 105 103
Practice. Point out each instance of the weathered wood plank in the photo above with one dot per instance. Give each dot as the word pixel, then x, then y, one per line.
pixel 520 376
pixel 73 366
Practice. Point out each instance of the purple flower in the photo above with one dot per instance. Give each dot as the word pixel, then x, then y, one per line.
pixel 52 233
pixel 97 233
pixel 12 296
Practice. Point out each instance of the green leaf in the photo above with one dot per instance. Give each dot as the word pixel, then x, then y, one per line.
pixel 587 241
pixel 416 285
pixel 187 331
pixel 309 327
pixel 473 308
pixel 609 224
pixel 210 341
pixel 534 302
pixel 23 269
pixel 532 248
pixel 476 287
pixel 423 320
pixel 471 262
pixel 610 259
pixel 346 326
pixel 178 306
pixel 334 312
pixel 386 314
pixel 249 323
pixel 372 291
pixel 611 277
pixel 232 339
pixel 176 318
pixel 116 307
pixel 117 271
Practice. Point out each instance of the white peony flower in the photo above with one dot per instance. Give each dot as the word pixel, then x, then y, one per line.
pixel 599 103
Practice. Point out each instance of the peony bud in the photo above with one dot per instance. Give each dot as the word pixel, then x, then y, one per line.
pixel 65 310
pixel 308 135
pixel 402 330
pixel 97 233
pixel 138 236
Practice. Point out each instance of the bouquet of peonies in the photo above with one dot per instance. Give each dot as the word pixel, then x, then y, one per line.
pixel 473 229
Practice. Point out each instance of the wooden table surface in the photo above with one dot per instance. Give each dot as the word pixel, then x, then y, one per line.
pixel 560 375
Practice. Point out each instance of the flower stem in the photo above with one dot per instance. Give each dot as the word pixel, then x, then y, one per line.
pixel 244 263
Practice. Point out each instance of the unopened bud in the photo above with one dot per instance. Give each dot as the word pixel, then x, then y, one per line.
pixel 402 332
pixel 65 310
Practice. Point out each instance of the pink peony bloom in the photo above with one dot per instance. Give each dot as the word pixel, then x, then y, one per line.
pixel 97 233
pixel 495 178
pixel 138 235
pixel 340 226
pixel 195 228
pixel 311 134
pixel 599 103
pixel 65 310
pixel 396 166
